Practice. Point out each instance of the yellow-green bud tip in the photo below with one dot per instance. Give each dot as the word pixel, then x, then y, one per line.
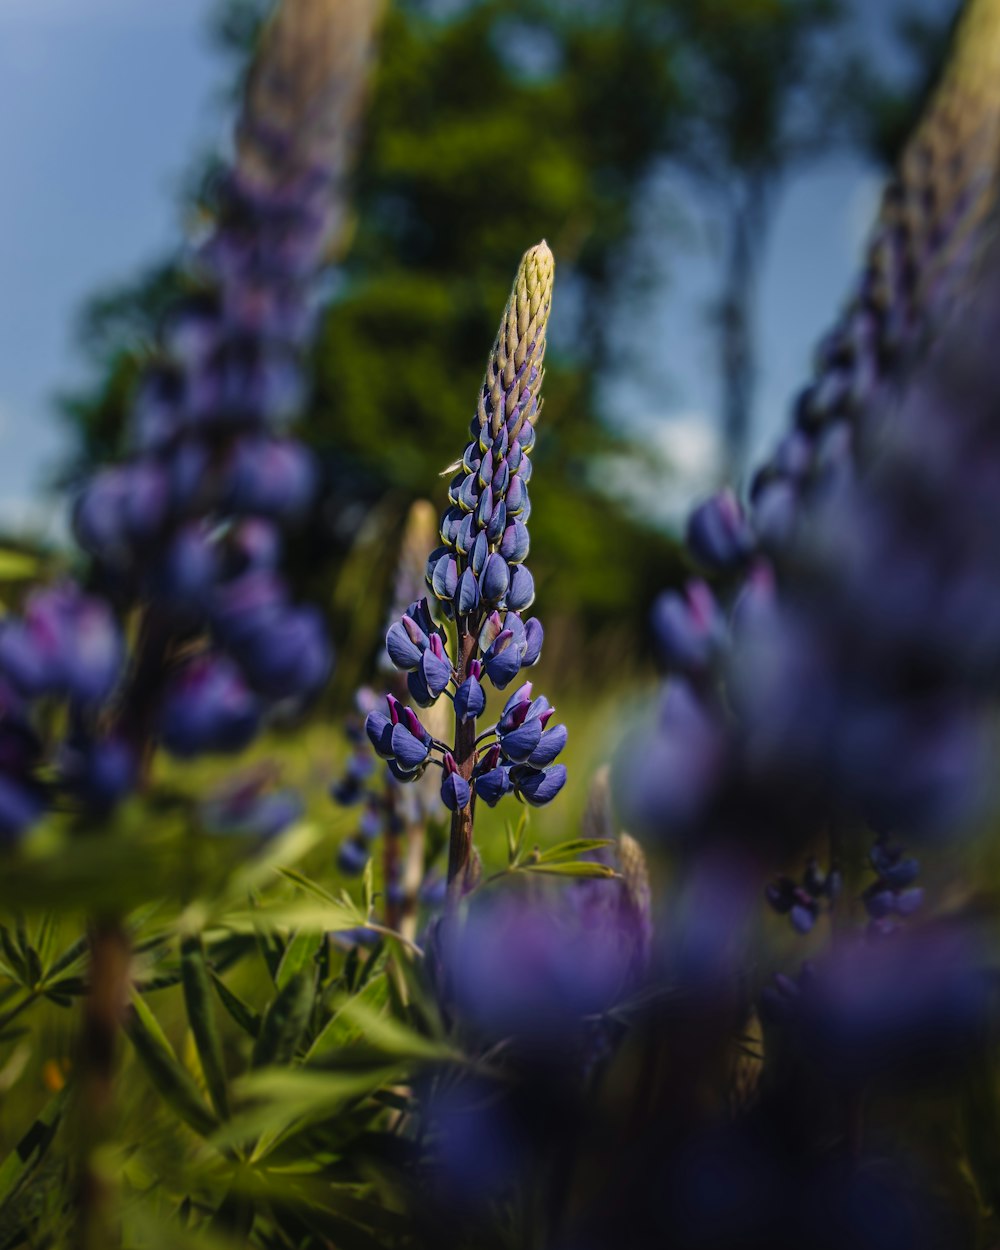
pixel 514 372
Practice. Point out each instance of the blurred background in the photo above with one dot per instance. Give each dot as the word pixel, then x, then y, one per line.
pixel 705 171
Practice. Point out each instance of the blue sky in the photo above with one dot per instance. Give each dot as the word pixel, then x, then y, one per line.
pixel 104 101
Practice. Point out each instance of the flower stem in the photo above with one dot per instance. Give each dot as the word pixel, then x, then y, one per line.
pixel 104 1007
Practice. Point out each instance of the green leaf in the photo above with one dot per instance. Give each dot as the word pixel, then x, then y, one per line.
pixel 343 1030
pixel 515 838
pixel 45 936
pixel 572 868
pixel 284 1098
pixel 571 850
pixel 317 916
pixel 245 1017
pixel 30 1150
pixel 14 955
pixel 201 1017
pixel 300 952
pixel 173 1082
pixel 391 1037
pixel 337 1230
pixel 71 962
pixel 271 949
pixel 307 884
pixel 32 960
pixel 285 1021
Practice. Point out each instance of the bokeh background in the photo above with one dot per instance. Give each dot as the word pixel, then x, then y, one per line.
pixel 705 171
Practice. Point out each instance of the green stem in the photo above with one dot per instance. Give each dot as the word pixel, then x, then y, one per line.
pixel 104 1008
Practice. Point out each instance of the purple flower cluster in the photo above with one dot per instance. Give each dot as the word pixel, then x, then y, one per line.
pixel 66 648
pixel 364 784
pixel 519 761
pixel 903 1006
pixel 191 523
pixel 534 969
pixel 802 901
pixel 539 968
pixel 480 567
pixel 478 578
pixel 921 261
pixel 856 676
pixel 892 896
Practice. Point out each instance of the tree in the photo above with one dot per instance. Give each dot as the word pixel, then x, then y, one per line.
pixel 767 87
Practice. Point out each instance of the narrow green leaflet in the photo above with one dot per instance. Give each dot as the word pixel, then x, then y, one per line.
pixel 515 838
pixel 285 1021
pixel 570 850
pixel 30 1150
pixel 391 1037
pixel 299 954
pixel 173 1082
pixel 245 1016
pixel 342 1029
pixel 571 868
pixel 298 914
pixel 201 1017
pixel 275 1100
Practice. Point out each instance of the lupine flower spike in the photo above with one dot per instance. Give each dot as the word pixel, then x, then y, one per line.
pixel 479 579
pixel 190 525
pixel 398 814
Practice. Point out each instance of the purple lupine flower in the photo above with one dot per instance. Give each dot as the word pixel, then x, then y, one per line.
pixel 21 804
pixel 802 901
pixel 99 770
pixel 861 675
pixel 477 577
pixel 66 645
pixel 531 969
pixel 389 809
pixel 411 743
pixel 454 787
pixel 352 856
pixel 862 1012
pixel 187 524
pixel 208 707
pixel 892 896
pixel 689 629
pixel 246 806
pixel 718 533
pixel 484 530
pixel 470 698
